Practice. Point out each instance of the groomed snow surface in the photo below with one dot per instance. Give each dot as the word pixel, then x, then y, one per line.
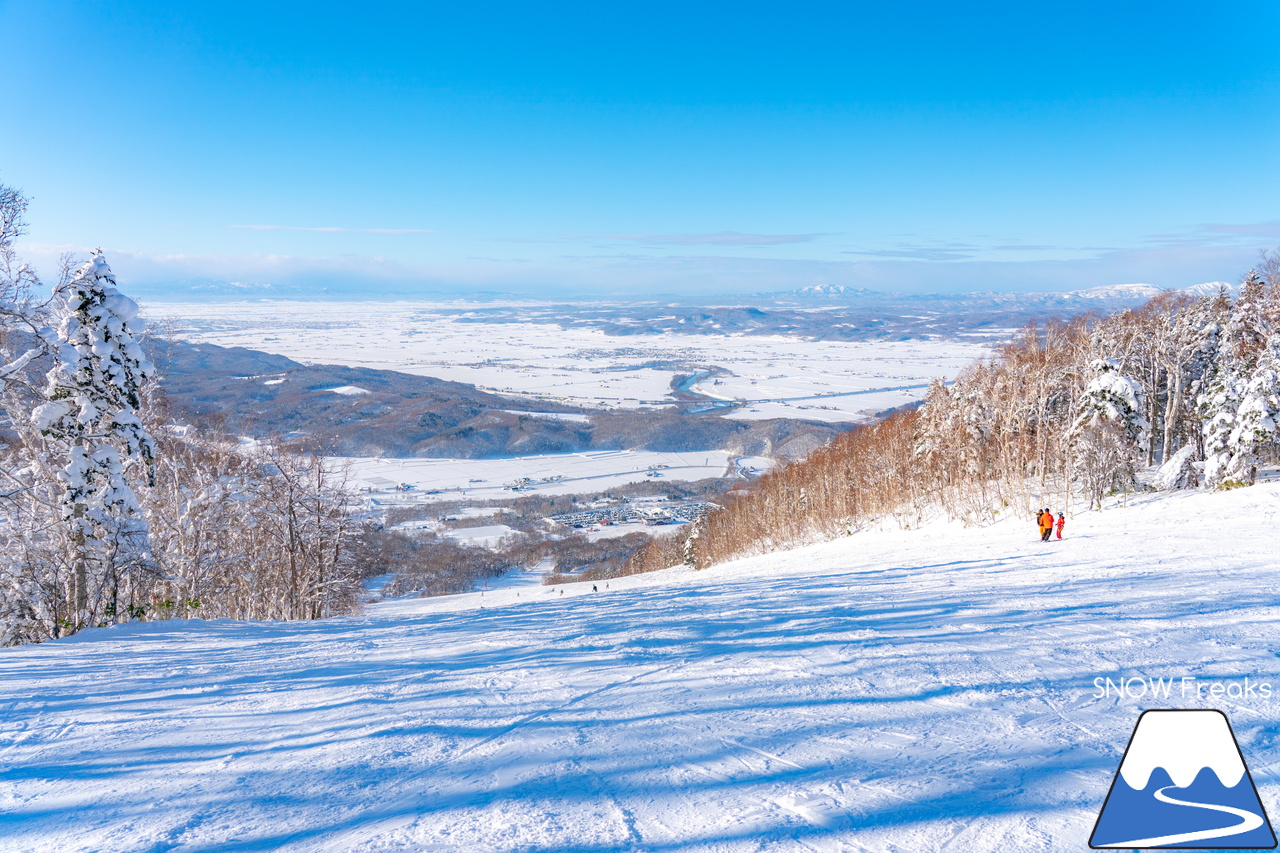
pixel 921 690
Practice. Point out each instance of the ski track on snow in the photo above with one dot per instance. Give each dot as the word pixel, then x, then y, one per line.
pixel 929 689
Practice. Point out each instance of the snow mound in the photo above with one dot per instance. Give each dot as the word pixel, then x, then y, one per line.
pixel 349 390
pixel 1180 471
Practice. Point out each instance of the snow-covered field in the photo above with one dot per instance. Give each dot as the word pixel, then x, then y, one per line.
pixel 923 690
pixel 833 384
pixel 489 536
pixel 780 376
pixel 554 474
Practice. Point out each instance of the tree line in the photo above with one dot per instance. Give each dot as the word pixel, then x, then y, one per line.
pixel 108 511
pixel 1065 414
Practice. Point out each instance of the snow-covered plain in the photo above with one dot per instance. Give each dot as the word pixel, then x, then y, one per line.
pixel 920 690
pixel 552 473
pixel 833 386
pixel 779 376
pixel 489 536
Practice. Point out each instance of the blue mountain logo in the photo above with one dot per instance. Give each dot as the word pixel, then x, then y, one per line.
pixel 1183 782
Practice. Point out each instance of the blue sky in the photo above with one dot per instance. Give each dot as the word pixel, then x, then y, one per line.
pixel 646 148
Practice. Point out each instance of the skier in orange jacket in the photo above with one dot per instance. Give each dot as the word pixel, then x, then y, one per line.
pixel 1046 524
pixel 1062 520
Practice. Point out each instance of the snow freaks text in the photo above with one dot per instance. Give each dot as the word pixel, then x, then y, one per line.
pixel 1181 687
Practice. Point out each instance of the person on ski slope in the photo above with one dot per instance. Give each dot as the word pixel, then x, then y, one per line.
pixel 1046 524
pixel 1062 520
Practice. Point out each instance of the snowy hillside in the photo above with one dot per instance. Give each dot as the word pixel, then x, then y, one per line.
pixel 922 690
pixel 1118 291
pixel 1209 288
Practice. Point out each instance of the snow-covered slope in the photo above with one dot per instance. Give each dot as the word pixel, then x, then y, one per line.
pixel 923 690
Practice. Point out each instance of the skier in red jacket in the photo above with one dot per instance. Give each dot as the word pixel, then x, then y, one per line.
pixel 1062 520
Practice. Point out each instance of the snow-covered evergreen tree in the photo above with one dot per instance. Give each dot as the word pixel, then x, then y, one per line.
pixel 1244 338
pixel 1207 320
pixel 1218 406
pixel 689 550
pixel 1247 330
pixel 1112 396
pixel 91 425
pixel 1110 431
pixel 1256 417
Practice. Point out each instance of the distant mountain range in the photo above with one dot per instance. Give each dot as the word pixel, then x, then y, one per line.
pixel 820 312
pixel 1106 293
pixel 823 291
pixel 1209 288
pixel 835 312
pixel 218 290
